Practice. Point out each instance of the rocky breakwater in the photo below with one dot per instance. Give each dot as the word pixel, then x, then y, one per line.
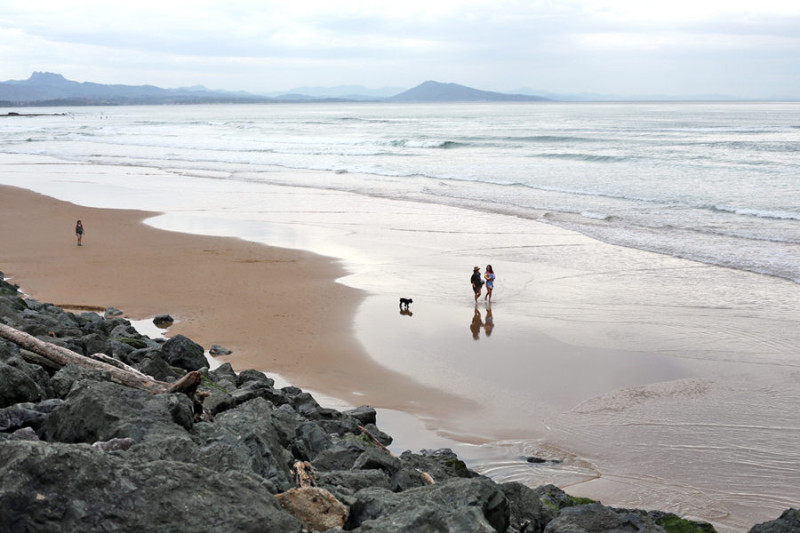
pixel 81 452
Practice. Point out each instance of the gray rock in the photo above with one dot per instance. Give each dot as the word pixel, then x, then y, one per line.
pixel 526 508
pixel 163 321
pixel 789 522
pixel 340 456
pixel 247 439
pixel 216 350
pixel 96 411
pixel 16 386
pixel 364 414
pixel 63 487
pixel 351 481
pixel 155 365
pixel 596 518
pixel 65 379
pixel 309 441
pixel 440 464
pixel 19 416
pixel 473 505
pixel 246 376
pixel 95 343
pixel 112 312
pixel 184 353
pixel 375 458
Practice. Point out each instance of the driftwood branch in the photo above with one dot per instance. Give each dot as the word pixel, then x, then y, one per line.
pixel 120 373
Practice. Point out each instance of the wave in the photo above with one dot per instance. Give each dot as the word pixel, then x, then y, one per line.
pixel 550 139
pixel 757 213
pixel 592 158
pixel 427 144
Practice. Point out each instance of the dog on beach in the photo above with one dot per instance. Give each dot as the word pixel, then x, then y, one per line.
pixel 404 303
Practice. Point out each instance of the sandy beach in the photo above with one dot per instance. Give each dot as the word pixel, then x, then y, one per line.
pixel 278 310
pixel 654 381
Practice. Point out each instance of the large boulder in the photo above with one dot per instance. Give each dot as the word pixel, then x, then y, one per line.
pixel 17 386
pixel 474 505
pixel 596 518
pixel 71 487
pixel 184 353
pixel 252 438
pixel 97 410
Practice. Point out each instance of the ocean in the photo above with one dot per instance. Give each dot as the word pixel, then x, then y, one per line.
pixel 646 317
pixel 712 182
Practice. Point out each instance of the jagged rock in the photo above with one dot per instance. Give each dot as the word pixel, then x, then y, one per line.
pixel 364 414
pixel 65 379
pixel 440 464
pixel 247 439
pixel 527 508
pixel 155 365
pixel 375 458
pixel 112 312
pixel 96 411
pixel 16 386
pixel 596 518
pixel 340 456
pixel 19 416
pixel 788 522
pixel 475 505
pixel 315 507
pixel 351 481
pixel 310 440
pixel 68 487
pixel 253 375
pixel 184 353
pixel 25 433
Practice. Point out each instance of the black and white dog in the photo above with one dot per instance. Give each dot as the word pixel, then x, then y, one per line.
pixel 404 303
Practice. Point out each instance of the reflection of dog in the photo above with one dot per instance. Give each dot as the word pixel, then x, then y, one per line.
pixel 404 302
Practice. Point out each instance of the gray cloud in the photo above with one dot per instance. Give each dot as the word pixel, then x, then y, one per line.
pixel 591 46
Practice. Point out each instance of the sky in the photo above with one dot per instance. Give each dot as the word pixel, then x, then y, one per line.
pixel 749 49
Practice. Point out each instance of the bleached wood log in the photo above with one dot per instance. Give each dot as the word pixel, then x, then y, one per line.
pixel 129 377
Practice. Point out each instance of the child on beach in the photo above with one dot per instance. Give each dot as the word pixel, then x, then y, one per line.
pixel 489 283
pixel 79 232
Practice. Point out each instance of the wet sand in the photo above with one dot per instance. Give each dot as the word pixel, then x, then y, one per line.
pixel 279 310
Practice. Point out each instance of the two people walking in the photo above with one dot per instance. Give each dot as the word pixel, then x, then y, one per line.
pixel 477 281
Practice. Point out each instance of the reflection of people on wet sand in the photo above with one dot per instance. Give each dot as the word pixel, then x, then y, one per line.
pixel 489 324
pixel 477 324
pixel 406 312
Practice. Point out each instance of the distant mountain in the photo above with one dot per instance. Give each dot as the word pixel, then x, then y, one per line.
pixel 433 91
pixel 47 88
pixel 349 92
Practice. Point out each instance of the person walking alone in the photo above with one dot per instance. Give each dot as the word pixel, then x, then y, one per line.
pixel 79 232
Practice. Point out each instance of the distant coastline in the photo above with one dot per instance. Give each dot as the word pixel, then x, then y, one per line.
pixel 46 89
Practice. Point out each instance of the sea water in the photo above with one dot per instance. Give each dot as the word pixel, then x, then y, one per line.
pixel 687 373
pixel 713 182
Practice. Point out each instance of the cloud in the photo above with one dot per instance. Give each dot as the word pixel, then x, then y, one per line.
pixel 266 45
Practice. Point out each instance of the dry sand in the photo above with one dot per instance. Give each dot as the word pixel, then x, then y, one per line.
pixel 279 310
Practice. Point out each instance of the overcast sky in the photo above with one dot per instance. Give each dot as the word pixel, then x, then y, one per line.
pixel 624 47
